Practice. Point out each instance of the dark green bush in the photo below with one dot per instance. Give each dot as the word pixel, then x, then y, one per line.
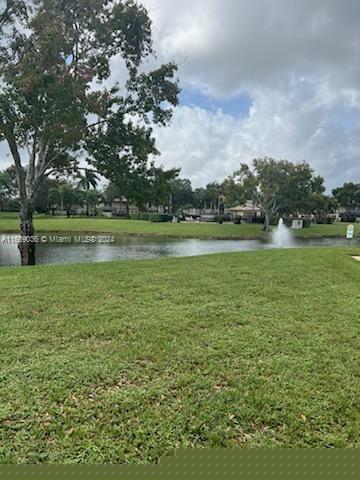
pixel 324 220
pixel 151 217
pixel 274 219
pixel 160 217
pixel 349 216
pixel 257 219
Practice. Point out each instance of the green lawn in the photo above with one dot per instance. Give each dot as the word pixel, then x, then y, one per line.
pixel 123 360
pixel 133 227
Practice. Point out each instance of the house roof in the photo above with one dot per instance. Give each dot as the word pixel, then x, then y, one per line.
pixel 247 207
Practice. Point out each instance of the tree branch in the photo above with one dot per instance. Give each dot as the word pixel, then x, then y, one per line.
pixel 20 172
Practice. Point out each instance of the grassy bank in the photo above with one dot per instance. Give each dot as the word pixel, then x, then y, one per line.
pixel 182 230
pixel 124 360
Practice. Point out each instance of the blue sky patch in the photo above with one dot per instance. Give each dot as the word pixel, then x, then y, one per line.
pixel 237 106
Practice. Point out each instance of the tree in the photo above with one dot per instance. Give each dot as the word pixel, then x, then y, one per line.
pixel 199 198
pixel 111 192
pixel 8 187
pixel 232 191
pixel 323 205
pixel 88 180
pixel 161 186
pixel 213 194
pixel 41 202
pixel 182 194
pixel 56 101
pixel 348 196
pixel 91 198
pixel 277 187
pixel 64 196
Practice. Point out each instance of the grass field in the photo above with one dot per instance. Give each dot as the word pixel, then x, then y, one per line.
pixel 117 361
pixel 182 230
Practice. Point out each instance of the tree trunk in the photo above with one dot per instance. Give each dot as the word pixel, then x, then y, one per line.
pixel 87 199
pixel 127 209
pixel 267 222
pixel 27 245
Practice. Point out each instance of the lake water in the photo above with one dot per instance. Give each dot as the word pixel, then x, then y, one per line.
pixel 136 248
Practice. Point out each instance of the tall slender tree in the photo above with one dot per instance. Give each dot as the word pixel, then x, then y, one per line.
pixel 87 181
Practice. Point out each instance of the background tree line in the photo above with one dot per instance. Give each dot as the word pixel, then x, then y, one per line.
pixel 277 187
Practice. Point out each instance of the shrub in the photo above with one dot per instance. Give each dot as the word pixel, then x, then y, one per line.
pixel 257 219
pixel 324 220
pixel 151 217
pixel 237 220
pixel 349 216
pixel 144 216
pixel 160 217
pixel 274 219
pixel 219 219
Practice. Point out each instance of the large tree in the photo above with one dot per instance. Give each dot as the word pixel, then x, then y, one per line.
pixel 182 195
pixel 58 100
pixel 348 196
pixel 149 185
pixel 277 187
pixel 161 186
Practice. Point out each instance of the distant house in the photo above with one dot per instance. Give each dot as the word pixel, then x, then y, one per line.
pixel 246 211
pixel 120 208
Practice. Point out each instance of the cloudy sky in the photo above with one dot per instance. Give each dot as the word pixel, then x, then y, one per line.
pixel 260 77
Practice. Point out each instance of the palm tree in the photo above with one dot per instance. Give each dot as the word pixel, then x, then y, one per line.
pixel 64 195
pixel 90 179
pixel 92 198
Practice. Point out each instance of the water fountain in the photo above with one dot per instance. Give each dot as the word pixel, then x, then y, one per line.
pixel 281 237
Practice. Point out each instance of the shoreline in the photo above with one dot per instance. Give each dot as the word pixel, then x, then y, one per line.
pixel 174 236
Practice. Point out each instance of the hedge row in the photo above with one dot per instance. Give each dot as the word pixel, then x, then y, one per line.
pixel 151 217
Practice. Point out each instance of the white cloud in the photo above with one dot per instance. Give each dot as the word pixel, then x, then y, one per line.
pixel 288 125
pixel 227 45
pixel 300 63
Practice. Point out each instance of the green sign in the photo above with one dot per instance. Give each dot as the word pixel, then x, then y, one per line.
pixel 350 232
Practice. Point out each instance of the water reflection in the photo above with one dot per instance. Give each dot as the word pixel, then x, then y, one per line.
pixel 137 248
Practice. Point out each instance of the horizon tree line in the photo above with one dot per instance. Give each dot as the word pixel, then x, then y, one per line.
pixel 277 187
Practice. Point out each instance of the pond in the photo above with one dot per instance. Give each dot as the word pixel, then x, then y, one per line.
pixel 91 249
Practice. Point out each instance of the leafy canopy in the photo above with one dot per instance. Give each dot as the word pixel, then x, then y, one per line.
pixel 58 100
pixel 348 196
pixel 276 186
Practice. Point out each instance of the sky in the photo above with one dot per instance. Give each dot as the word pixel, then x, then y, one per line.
pixel 259 78
pixel 262 78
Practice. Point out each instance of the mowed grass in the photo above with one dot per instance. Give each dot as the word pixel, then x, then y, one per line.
pixel 121 361
pixel 178 230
